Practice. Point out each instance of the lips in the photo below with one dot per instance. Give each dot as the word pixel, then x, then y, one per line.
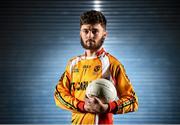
pixel 90 41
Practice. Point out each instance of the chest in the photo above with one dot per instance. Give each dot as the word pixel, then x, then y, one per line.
pixel 86 70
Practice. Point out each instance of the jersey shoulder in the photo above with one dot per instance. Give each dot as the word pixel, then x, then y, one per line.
pixel 74 59
pixel 113 60
pixel 115 63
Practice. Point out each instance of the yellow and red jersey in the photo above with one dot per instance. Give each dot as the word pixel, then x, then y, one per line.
pixel 79 72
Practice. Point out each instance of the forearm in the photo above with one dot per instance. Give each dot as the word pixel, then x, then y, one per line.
pixel 65 100
pixel 124 105
pixel 128 101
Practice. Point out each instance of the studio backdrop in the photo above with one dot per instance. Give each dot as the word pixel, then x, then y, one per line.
pixel 38 37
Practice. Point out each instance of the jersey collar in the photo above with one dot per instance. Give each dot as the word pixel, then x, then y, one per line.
pixel 97 54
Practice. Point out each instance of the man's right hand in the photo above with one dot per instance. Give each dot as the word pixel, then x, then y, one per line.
pixel 95 105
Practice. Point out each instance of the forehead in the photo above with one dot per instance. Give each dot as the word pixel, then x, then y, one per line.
pixel 91 26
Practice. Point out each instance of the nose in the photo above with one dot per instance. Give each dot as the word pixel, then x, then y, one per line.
pixel 90 35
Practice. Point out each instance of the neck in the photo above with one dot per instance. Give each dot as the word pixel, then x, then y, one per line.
pixel 90 53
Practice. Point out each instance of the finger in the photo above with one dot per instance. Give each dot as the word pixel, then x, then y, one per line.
pixel 88 99
pixel 90 110
pixel 97 100
pixel 86 96
pixel 91 100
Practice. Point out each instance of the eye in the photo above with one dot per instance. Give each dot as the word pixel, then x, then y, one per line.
pixel 94 31
pixel 85 31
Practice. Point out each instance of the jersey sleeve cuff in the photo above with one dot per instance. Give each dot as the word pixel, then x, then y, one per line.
pixel 80 106
pixel 112 107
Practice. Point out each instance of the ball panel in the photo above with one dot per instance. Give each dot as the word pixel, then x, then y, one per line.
pixel 103 89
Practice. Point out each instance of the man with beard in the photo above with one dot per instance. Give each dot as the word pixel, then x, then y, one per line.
pixel 93 64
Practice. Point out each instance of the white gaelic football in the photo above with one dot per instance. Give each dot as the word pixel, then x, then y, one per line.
pixel 103 89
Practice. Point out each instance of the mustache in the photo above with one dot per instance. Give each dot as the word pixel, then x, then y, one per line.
pixel 90 40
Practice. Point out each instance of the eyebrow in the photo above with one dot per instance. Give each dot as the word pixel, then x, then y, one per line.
pixel 89 28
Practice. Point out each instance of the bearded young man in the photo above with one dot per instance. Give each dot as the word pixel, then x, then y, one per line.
pixel 93 64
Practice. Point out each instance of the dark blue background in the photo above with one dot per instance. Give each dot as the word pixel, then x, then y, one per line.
pixel 37 38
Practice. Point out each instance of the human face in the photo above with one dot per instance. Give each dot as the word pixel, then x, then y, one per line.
pixel 92 36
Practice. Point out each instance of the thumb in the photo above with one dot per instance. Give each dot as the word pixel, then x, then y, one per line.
pixel 97 100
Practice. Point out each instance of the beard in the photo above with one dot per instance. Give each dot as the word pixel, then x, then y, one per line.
pixel 91 44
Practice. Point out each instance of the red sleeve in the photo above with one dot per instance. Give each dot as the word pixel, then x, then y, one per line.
pixel 112 107
pixel 80 106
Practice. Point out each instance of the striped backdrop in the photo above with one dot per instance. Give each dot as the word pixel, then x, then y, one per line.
pixel 38 37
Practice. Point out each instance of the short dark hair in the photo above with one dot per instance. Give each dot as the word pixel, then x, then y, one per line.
pixel 93 17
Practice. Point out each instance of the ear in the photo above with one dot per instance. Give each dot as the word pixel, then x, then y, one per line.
pixel 105 34
pixel 80 33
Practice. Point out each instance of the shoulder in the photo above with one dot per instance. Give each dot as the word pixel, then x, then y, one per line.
pixel 114 62
pixel 74 59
